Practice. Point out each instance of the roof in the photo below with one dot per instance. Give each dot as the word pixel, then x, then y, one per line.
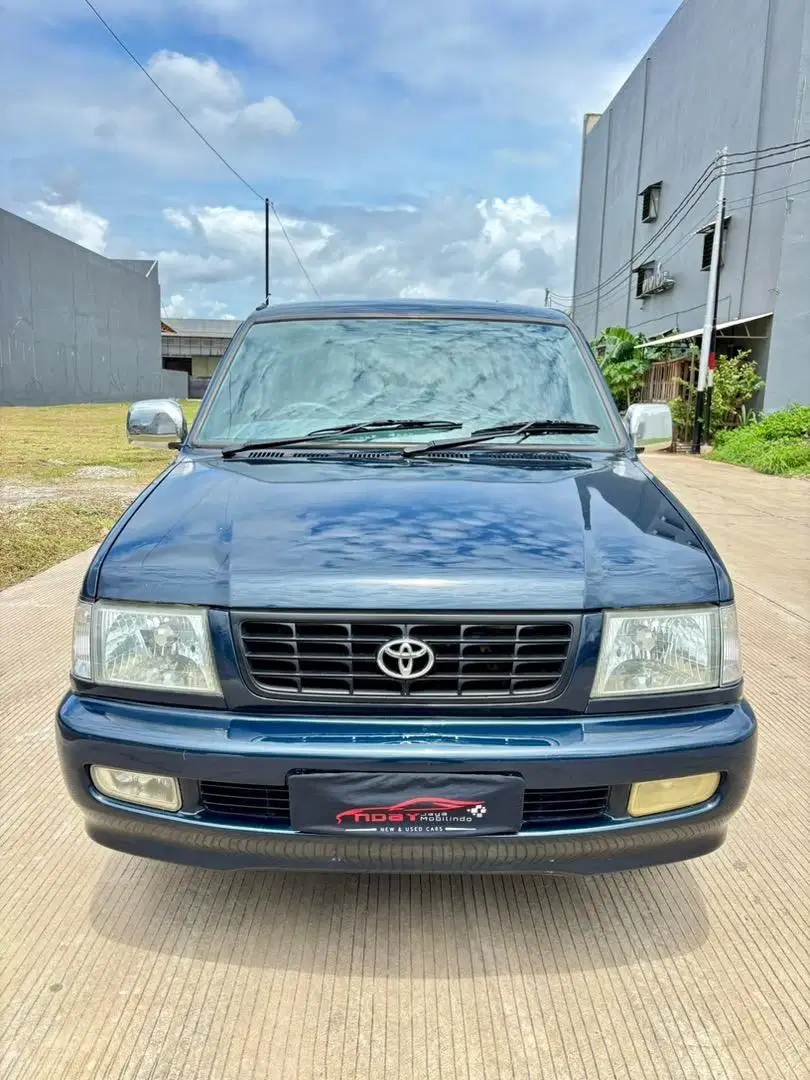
pixel 446 309
pixel 224 328
pixel 699 332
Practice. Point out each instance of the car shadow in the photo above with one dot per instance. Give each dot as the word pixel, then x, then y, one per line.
pixel 418 925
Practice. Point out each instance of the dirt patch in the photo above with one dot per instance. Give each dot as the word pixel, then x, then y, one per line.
pixel 19 496
pixel 102 472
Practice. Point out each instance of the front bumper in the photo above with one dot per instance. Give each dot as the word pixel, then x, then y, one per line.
pixel 213 745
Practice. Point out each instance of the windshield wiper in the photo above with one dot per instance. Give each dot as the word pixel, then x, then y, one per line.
pixel 522 429
pixel 346 429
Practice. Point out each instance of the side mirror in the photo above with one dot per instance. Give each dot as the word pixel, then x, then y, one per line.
pixel 649 425
pixel 156 424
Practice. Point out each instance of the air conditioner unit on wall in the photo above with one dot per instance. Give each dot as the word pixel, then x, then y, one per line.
pixel 652 278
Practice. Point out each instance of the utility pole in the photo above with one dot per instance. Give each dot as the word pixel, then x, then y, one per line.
pixel 266 250
pixel 548 293
pixel 708 343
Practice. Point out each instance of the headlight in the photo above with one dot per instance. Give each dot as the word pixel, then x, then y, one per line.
pixel 156 648
pixel 658 652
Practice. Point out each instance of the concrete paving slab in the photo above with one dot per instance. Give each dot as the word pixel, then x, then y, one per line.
pixel 113 968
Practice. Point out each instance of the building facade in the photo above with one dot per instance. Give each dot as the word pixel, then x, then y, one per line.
pixel 723 74
pixel 75 326
pixel 195 347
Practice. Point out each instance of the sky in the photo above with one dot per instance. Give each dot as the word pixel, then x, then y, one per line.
pixel 427 148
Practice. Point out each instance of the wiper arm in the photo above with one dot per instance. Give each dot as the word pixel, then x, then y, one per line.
pixel 521 429
pixel 346 429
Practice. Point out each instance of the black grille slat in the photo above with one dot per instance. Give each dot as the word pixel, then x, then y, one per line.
pixel 473 658
pixel 564 805
pixel 271 805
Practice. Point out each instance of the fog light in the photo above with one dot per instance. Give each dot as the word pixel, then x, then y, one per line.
pixel 142 789
pixel 658 796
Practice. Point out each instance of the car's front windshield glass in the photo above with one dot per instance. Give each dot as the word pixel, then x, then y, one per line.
pixel 290 377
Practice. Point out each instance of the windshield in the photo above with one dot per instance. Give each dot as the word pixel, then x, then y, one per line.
pixel 288 378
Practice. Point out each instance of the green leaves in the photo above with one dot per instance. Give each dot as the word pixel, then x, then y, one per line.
pixel 736 380
pixel 624 364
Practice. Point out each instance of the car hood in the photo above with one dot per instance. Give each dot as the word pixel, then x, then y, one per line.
pixel 423 535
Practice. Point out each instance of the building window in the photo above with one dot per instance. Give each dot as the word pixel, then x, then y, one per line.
pixel 651 202
pixel 644 279
pixel 708 244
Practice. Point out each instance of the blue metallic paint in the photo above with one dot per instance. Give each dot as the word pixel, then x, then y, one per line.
pixel 217 745
pixel 423 535
pixel 434 535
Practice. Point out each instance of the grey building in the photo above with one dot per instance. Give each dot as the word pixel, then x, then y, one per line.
pixel 723 73
pixel 75 326
pixel 195 347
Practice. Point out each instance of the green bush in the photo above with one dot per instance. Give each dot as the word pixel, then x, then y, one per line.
pixel 778 444
pixel 792 423
pixel 736 380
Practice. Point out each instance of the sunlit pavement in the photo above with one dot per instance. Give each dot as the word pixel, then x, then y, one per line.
pixel 112 967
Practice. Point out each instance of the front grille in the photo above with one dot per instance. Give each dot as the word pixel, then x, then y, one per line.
pixel 560 805
pixel 271 805
pixel 484 659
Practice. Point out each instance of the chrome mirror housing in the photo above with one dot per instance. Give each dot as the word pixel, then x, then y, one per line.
pixel 156 423
pixel 649 426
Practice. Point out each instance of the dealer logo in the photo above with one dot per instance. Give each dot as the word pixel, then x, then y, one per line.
pixel 412 812
pixel 405 658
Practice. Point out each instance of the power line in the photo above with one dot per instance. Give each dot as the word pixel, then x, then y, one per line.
pixel 679 214
pixel 661 236
pixel 770 151
pixel 773 165
pixel 620 286
pixel 670 224
pixel 801 187
pixel 286 235
pixel 204 139
pixel 176 107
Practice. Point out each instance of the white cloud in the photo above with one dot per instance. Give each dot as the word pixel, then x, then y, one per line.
pixel 177 218
pixel 195 306
pixel 267 115
pixel 191 81
pixel 73 221
pixel 101 107
pixel 506 249
pixel 240 233
pixel 215 96
pixel 179 267
pixel 177 307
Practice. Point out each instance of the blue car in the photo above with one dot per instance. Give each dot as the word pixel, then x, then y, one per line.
pixel 407 599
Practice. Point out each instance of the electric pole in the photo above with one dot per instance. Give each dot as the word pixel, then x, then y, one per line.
pixel 548 293
pixel 708 343
pixel 266 250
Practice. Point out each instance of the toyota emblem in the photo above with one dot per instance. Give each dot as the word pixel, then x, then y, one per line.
pixel 405 658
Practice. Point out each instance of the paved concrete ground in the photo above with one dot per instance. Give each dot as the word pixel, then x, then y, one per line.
pixel 118 969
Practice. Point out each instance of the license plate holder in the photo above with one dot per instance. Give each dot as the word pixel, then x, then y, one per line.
pixel 406 804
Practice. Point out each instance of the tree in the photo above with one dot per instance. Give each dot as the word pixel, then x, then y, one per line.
pixel 623 362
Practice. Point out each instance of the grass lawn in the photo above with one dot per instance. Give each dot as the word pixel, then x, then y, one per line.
pixel 50 511
pixel 778 444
